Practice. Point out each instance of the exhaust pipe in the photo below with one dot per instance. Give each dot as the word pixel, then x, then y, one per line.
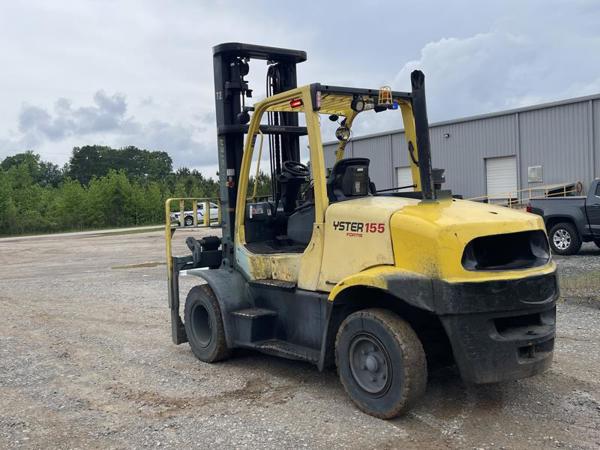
pixel 417 79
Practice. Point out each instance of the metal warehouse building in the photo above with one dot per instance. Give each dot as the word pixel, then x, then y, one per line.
pixel 497 154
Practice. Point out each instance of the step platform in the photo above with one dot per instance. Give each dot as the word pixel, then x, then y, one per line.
pixel 254 324
pixel 255 329
pixel 287 350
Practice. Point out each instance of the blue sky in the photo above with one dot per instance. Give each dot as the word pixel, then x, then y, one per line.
pixel 139 72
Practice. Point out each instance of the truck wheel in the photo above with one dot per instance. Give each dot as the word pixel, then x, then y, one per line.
pixel 204 325
pixel 564 239
pixel 188 221
pixel 381 362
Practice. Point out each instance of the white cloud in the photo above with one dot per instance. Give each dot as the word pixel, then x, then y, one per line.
pixel 474 74
pixel 499 70
pixel 106 122
pixel 105 115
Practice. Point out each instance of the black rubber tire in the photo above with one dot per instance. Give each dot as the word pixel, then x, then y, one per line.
pixel 188 221
pixel 407 365
pixel 575 243
pixel 204 325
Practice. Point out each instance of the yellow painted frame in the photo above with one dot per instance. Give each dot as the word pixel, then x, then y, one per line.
pixel 310 260
pixel 316 153
pixel 303 268
pixel 410 135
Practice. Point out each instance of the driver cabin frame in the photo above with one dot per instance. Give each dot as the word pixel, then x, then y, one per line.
pixel 302 267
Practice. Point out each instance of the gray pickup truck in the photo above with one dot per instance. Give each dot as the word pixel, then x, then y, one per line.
pixel 570 220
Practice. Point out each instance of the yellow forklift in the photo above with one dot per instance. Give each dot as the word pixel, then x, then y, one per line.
pixel 381 285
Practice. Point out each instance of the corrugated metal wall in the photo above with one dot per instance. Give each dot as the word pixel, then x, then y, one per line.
pixel 379 170
pixel 329 151
pixel 464 151
pixel 563 138
pixel 558 140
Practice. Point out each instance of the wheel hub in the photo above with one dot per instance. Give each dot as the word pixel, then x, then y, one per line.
pixel 562 239
pixel 369 364
pixel 201 325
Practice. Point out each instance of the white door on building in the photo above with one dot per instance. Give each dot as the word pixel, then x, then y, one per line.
pixel 404 178
pixel 501 177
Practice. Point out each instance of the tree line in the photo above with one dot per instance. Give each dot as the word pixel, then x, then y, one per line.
pixel 99 187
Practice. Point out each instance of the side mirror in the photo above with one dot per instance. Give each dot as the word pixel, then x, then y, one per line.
pixel 342 134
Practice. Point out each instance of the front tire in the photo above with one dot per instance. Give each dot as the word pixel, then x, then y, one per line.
pixel 204 325
pixel 188 221
pixel 564 239
pixel 381 362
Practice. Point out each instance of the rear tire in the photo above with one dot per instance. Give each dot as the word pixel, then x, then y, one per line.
pixel 188 221
pixel 204 325
pixel 381 362
pixel 564 239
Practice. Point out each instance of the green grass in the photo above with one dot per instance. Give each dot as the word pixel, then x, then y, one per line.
pixel 584 285
pixel 83 229
pixel 119 233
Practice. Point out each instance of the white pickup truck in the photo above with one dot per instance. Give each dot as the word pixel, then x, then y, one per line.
pixel 188 218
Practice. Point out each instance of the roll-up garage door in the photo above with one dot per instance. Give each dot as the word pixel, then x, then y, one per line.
pixel 501 177
pixel 404 178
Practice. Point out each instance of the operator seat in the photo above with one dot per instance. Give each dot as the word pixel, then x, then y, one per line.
pixel 349 178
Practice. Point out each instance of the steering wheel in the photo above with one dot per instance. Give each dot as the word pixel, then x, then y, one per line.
pixel 296 169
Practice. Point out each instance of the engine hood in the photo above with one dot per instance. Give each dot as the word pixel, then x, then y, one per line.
pixel 429 237
pixel 453 214
pixel 423 238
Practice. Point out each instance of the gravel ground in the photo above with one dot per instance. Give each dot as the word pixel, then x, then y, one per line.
pixel 580 275
pixel 86 361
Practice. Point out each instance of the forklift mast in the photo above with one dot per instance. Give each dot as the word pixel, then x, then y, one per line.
pixel 230 62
